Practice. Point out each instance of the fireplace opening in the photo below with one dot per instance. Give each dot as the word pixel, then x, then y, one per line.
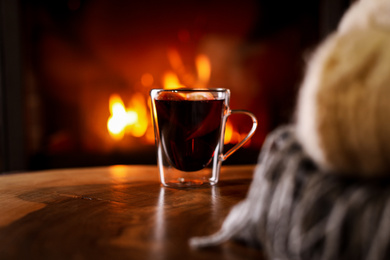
pixel 88 67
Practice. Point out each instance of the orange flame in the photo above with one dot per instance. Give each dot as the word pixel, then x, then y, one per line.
pixel 204 69
pixel 138 106
pixel 232 136
pixel 133 120
pixel 228 132
pixel 171 81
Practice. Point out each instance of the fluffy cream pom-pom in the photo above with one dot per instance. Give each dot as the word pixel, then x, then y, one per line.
pixel 366 14
pixel 343 114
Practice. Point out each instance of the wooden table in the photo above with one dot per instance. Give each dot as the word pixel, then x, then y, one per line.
pixel 117 212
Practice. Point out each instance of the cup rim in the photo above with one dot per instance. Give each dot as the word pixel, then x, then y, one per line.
pixel 192 90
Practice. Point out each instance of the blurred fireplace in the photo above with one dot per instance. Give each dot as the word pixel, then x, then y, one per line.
pixel 79 57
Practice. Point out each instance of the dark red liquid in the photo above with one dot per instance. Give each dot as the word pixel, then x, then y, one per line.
pixel 189 131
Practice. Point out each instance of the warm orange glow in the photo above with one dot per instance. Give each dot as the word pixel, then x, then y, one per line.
pixel 138 106
pixel 232 136
pixel 119 118
pixel 175 60
pixel 204 69
pixel 150 135
pixel 171 81
pixel 134 120
pixel 147 80
pixel 248 143
pixel 118 172
pixel 228 132
pixel 236 137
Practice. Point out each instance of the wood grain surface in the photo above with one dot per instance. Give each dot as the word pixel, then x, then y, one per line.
pixel 117 212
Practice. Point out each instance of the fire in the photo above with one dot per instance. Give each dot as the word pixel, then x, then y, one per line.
pixel 138 106
pixel 133 120
pixel 228 132
pixel 204 69
pixel 231 135
pixel 171 81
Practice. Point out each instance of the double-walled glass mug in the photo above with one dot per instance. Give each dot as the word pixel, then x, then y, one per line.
pixel 189 127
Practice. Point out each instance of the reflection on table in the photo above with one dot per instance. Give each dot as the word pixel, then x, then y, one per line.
pixel 117 212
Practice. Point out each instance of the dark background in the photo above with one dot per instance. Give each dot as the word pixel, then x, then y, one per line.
pixel 49 49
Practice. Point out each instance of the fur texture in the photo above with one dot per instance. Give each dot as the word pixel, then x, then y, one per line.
pixel 343 107
pixel 366 14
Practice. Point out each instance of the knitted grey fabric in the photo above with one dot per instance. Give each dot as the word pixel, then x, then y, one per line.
pixel 295 211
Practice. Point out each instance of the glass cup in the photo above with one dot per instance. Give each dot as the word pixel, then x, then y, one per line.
pixel 189 127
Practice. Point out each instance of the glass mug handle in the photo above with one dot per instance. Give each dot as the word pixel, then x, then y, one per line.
pixel 223 157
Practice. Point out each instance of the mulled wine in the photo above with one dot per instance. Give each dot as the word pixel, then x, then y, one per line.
pixel 189 130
